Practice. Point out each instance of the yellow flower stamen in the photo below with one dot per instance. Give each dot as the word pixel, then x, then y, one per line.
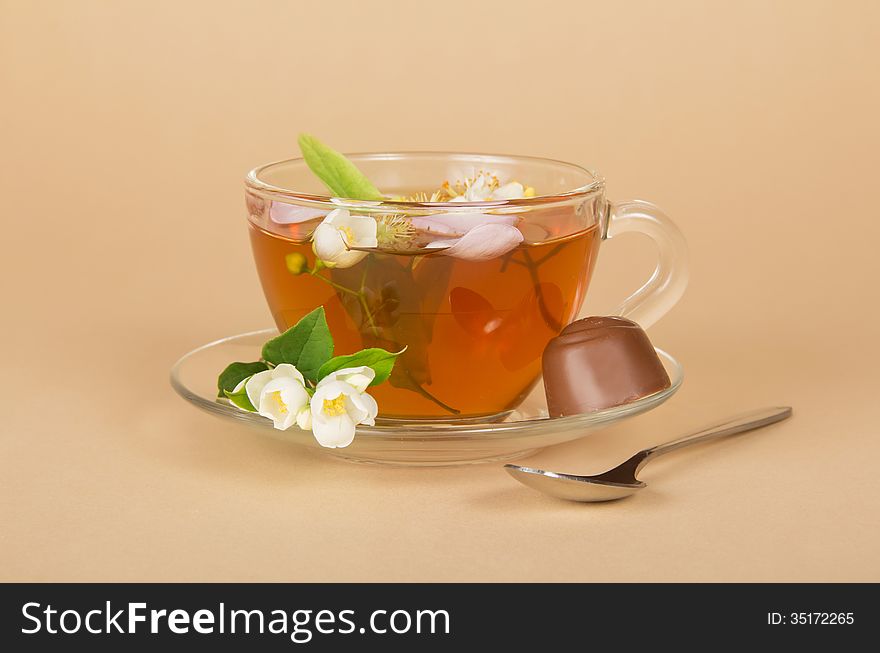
pixel 394 230
pixel 482 184
pixel 347 234
pixel 334 407
pixel 481 178
pixel 276 397
pixel 421 196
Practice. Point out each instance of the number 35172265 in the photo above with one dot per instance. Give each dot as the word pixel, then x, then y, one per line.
pixel 815 618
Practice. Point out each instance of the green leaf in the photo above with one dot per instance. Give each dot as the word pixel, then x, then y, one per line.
pixel 306 345
pixel 240 399
pixel 380 360
pixel 339 174
pixel 235 373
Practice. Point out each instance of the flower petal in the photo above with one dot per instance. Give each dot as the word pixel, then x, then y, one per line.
pixel 355 408
pixel 330 244
pixel 458 224
pixel 330 247
pixel 304 418
pixel 336 215
pixel 372 409
pixel 443 243
pixel 294 393
pixel 286 369
pixel 327 242
pixel 329 390
pixel 482 243
pixel 255 384
pixel 337 407
pixel 357 377
pixel 281 213
pixel 334 432
pixel 364 229
pixel 360 230
pixel 511 191
pixel 281 400
pixel 273 408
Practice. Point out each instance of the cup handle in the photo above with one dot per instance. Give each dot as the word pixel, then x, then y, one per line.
pixel 669 280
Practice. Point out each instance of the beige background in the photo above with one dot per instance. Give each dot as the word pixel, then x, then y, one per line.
pixel 127 128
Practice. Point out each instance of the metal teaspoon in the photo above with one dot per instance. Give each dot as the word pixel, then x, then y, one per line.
pixel 621 481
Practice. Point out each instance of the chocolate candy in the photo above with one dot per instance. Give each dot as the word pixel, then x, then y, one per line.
pixel 599 362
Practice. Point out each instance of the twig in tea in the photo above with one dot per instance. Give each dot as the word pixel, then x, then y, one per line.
pixel 532 266
pixel 373 309
pixel 416 387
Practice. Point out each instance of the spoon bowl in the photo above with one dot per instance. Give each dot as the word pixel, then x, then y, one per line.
pixel 571 486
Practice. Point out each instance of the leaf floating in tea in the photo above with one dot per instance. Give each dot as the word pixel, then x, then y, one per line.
pixel 379 360
pixel 473 312
pixel 307 345
pixel 235 373
pixel 534 320
pixel 339 174
pixel 397 307
pixel 388 310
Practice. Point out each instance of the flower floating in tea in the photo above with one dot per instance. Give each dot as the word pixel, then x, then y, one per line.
pixel 298 382
pixel 481 187
pixel 338 237
pixel 394 231
pixel 342 239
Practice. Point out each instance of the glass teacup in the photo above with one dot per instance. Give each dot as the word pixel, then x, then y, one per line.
pixel 473 289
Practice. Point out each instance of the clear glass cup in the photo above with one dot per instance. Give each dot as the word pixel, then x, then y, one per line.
pixel 473 289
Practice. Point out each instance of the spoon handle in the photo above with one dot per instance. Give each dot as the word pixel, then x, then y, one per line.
pixel 746 422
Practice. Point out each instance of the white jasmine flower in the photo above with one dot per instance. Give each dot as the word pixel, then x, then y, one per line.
pixel 338 233
pixel 482 187
pixel 471 235
pixel 340 404
pixel 483 192
pixel 512 191
pixel 280 394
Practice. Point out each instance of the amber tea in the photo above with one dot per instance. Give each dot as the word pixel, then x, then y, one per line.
pixel 474 330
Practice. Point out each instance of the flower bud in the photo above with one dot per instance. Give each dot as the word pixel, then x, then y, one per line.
pixel 296 263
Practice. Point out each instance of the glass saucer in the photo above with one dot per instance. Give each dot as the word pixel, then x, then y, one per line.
pixel 523 431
